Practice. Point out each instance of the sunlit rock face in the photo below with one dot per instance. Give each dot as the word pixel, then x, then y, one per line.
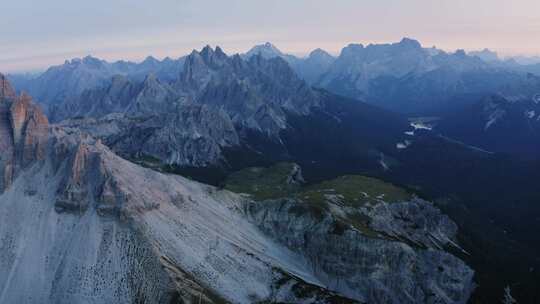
pixel 23 133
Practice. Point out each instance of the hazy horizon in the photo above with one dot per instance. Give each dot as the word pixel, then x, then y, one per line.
pixel 133 30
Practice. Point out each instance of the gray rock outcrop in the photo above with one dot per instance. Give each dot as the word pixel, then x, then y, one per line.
pixel 405 263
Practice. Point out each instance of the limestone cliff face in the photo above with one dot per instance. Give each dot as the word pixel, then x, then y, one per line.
pixel 29 126
pixel 6 146
pixel 402 262
pixel 23 133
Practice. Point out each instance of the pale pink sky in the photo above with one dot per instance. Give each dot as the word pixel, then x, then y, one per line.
pixel 37 34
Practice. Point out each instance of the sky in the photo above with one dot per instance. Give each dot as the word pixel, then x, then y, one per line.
pixel 35 34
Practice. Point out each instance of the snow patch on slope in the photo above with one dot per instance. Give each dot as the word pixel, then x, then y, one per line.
pixel 403 145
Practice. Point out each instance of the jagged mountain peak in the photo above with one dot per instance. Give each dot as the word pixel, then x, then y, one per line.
pixel 150 62
pixel 351 74
pixel 488 56
pixel 207 51
pixel 351 49
pixel 267 50
pixel 23 131
pixel 319 53
pixel 220 52
pixel 150 59
pixel 208 56
pixel 314 65
pixel 75 76
pixel 88 62
pixel 397 47
pixel 241 94
pixel 409 42
pixel 201 67
pixel 355 46
pixel 89 59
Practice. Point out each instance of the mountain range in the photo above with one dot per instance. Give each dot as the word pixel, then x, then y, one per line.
pixel 75 76
pixel 403 77
pixel 82 224
pixel 218 99
pixel 457 129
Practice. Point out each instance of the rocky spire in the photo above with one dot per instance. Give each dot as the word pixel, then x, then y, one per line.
pixel 198 66
pixel 220 53
pixel 213 58
pixel 23 133
pixel 207 53
pixel 193 65
pixel 30 127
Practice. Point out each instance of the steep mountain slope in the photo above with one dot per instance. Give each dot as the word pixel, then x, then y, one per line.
pixel 143 234
pixel 447 89
pixel 499 124
pixel 378 210
pixel 406 78
pixel 23 131
pixel 315 65
pixel 351 73
pixel 81 224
